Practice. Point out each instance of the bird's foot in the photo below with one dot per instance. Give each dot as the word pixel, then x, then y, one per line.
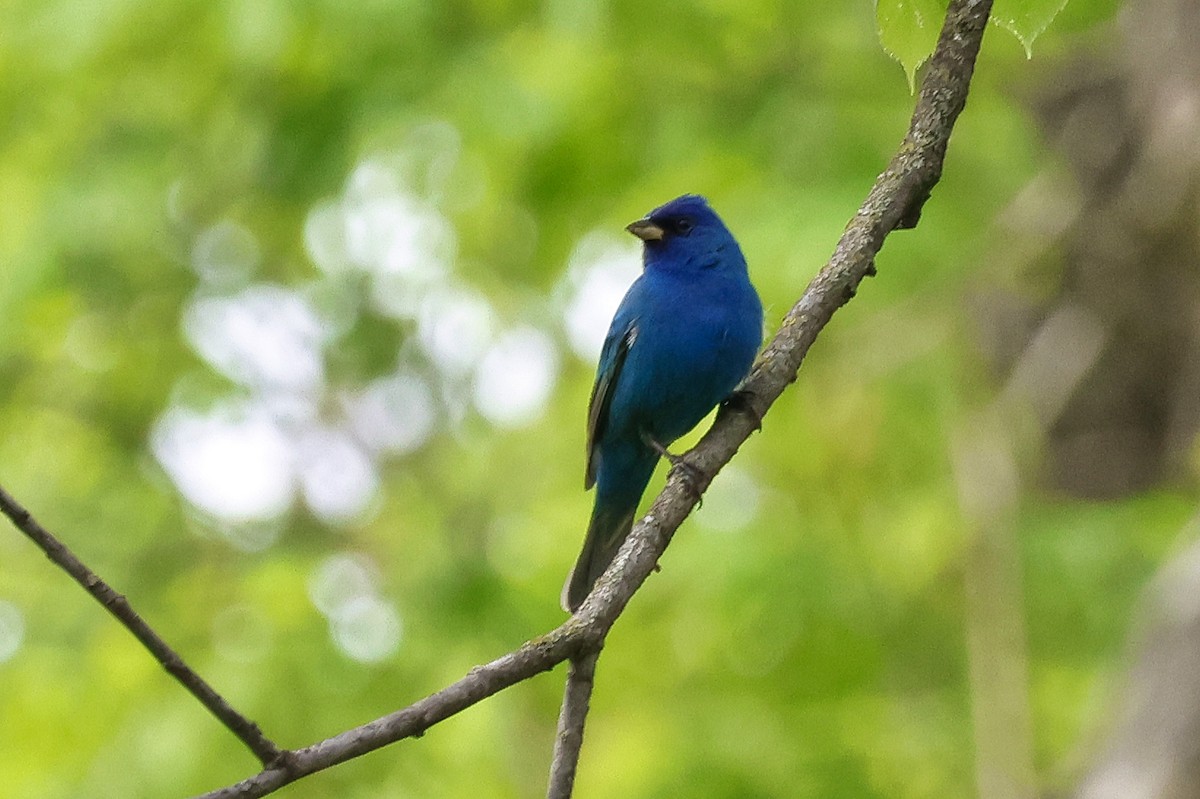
pixel 651 442
pixel 741 401
pixel 690 474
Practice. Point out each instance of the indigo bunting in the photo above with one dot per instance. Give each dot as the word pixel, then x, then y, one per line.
pixel 682 339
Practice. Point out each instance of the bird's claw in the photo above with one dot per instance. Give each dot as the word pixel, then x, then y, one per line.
pixel 690 474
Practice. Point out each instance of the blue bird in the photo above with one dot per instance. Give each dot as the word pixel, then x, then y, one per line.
pixel 682 339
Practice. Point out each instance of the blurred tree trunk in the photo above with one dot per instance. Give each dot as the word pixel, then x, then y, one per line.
pixel 1115 242
pixel 1153 751
pixel 1098 332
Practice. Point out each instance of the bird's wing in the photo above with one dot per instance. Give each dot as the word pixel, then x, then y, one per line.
pixel 612 358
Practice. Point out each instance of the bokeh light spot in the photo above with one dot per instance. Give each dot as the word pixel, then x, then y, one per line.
pixel 12 630
pixel 599 272
pixel 338 479
pixel 232 462
pixel 367 630
pixel 339 580
pixel 516 376
pixel 396 414
pixel 325 238
pixel 264 336
pixel 454 327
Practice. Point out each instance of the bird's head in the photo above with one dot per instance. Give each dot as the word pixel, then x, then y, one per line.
pixel 686 233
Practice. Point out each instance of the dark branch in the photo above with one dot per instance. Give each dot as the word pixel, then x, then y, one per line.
pixel 542 654
pixel 895 201
pixel 117 605
pixel 581 674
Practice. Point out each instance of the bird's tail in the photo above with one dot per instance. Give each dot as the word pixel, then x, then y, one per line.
pixel 609 527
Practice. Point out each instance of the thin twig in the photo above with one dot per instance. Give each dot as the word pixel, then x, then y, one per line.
pixel 895 201
pixel 581 674
pixel 118 606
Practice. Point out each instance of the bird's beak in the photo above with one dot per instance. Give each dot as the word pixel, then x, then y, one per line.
pixel 645 230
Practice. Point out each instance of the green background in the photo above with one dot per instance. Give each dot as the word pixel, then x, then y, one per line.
pixel 807 635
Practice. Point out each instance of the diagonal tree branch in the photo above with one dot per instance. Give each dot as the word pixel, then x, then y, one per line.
pixel 118 606
pixel 576 635
pixel 894 202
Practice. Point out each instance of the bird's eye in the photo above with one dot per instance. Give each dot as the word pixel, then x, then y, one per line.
pixel 684 226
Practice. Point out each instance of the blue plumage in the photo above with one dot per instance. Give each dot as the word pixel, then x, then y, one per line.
pixel 683 338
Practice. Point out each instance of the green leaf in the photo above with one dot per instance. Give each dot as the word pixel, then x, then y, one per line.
pixel 1026 19
pixel 908 31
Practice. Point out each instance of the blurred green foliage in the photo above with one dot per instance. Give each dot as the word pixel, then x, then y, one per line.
pixel 806 634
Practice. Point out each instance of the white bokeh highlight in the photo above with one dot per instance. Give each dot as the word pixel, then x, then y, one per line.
pixel 364 626
pixel 367 630
pixel 394 414
pixel 297 428
pixel 600 270
pixel 337 477
pixel 12 630
pixel 454 326
pixel 516 376
pixel 385 228
pixel 265 336
pixel 232 462
pixel 339 580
